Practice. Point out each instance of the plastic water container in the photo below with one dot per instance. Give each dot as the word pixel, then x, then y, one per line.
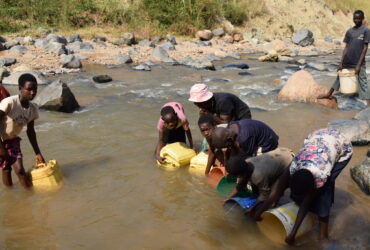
pixel 198 163
pixel 177 155
pixel 46 175
pixel 277 223
pixel 348 81
pixel 227 184
pixel 215 175
pixel 244 203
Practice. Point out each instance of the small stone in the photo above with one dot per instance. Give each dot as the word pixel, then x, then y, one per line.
pixel 124 59
pixel 142 67
pixel 237 65
pixel 102 79
pixel 218 32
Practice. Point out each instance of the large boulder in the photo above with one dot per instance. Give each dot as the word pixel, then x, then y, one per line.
pixel 41 43
pixel 56 38
pixel 361 174
pixel 4 61
pixel 57 97
pixel 198 64
pixel 303 37
pixel 204 35
pixel 102 78
pixel 13 78
pixel 218 32
pixel 279 46
pixel 80 47
pixel 167 46
pixel 301 87
pixel 55 48
pixel 161 55
pixel 74 38
pixel 358 131
pixel 70 62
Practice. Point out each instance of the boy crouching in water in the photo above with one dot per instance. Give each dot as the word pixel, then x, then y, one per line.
pixel 15 112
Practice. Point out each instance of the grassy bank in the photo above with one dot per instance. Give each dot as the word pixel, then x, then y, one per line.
pixel 350 5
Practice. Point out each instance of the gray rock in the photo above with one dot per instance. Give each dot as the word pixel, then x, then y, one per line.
pixel 198 64
pixel 56 38
pixel 234 55
pixel 142 67
pixel 357 131
pixel 18 50
pixel 18 40
pixel 218 32
pixel 361 174
pixel 100 38
pixel 328 39
pixel 167 46
pixel 41 43
pixel 249 51
pixel 4 61
pixel 128 38
pixel 28 40
pixel 57 97
pixel 364 115
pixel 70 62
pixel 124 59
pixel 157 39
pixel 161 55
pixel 204 43
pixel 302 61
pixel 82 57
pixel 2 39
pixel 237 65
pixel 55 48
pixel 3 73
pixel 308 53
pixel 318 66
pixel 349 102
pixel 210 57
pixel 74 38
pixel 80 47
pixel 102 79
pixel 133 52
pixel 10 44
pixel 287 59
pixel 303 37
pixel 171 39
pixel 13 78
pixel 145 43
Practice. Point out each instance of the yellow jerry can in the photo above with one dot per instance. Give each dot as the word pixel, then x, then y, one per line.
pixel 198 163
pixel 46 175
pixel 177 155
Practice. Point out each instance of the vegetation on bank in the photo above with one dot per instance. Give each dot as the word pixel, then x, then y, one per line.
pixel 146 17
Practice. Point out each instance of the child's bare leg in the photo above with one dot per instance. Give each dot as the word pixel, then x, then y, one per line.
pixel 21 173
pixel 7 176
pixel 324 225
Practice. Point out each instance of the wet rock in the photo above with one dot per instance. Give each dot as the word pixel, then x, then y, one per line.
pixel 287 59
pixel 124 59
pixel 210 57
pixel 303 37
pixel 171 39
pixel 218 32
pixel 80 47
pixel 74 38
pixel 41 43
pixel 245 73
pixel 57 97
pixel 301 87
pixel 198 64
pixel 308 53
pixel 167 46
pixel 142 67
pixel 364 115
pixel 328 39
pixel 14 76
pixel 302 61
pixel 102 79
pixel 18 50
pixel 217 80
pixel 56 48
pixel 236 65
pixel 293 68
pixel 358 131
pixel 228 39
pixel 5 61
pixel 146 42
pixel 350 102
pixel 204 35
pixel 361 174
pixel 56 39
pixel 272 56
pixel 70 62
pixel 318 66
pixel 161 55
pixel 234 55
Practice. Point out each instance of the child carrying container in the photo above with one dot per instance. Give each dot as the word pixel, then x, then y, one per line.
pixel 16 112
pixel 172 127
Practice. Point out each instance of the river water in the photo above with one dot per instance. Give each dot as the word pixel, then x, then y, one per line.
pixel 114 196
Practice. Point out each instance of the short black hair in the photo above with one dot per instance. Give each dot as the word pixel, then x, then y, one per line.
pixel 301 182
pixel 236 165
pixel 359 12
pixel 167 110
pixel 207 118
pixel 26 78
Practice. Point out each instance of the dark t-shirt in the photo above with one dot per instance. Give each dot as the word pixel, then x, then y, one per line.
pixel 229 104
pixel 355 38
pixel 254 134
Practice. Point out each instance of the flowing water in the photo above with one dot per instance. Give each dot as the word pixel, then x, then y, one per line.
pixel 114 196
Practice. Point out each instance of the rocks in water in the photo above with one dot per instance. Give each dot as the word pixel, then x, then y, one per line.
pixel 56 48
pixel 272 56
pixel 318 66
pixel 102 79
pixel 198 64
pixel 142 67
pixel 70 62
pixel 74 38
pixel 171 39
pixel 57 97
pixel 146 42
pixel 234 55
pixel 308 53
pixel 81 47
pixel 276 45
pixel 218 32
pixel 236 65
pixel 217 80
pixel 361 174
pixel 245 73
pixel 303 37
pixel 161 55
pixel 13 78
pixel 358 131
pixel 364 115
pixel 18 50
pixel 167 46
pixel 349 102
pixel 287 59
pixel 56 38
pixel 204 35
pixel 301 87
pixel 124 59
pixel 5 61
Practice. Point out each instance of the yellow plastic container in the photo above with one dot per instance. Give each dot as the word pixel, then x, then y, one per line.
pixel 277 223
pixel 198 163
pixel 46 175
pixel 177 155
pixel 348 81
